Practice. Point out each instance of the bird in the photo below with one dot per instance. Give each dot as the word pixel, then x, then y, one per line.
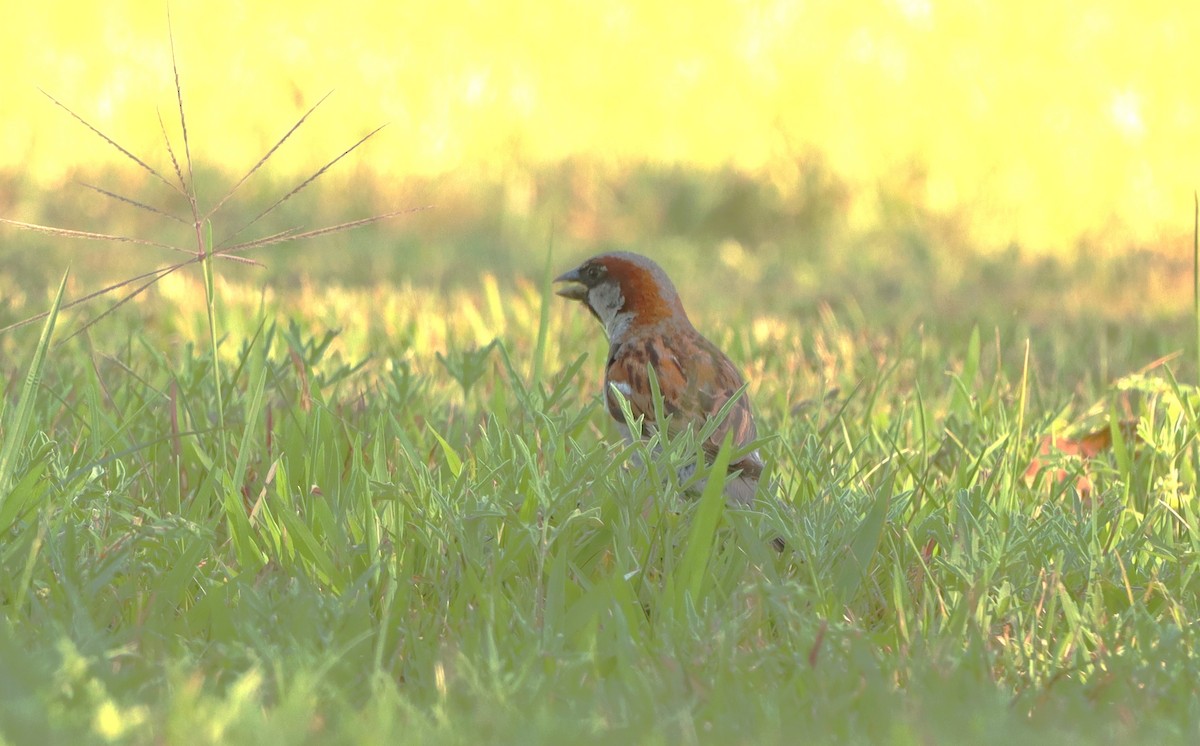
pixel 647 328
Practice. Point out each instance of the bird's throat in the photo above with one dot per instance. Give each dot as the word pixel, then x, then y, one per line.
pixel 608 304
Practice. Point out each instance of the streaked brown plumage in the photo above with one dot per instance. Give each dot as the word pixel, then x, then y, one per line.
pixel 646 324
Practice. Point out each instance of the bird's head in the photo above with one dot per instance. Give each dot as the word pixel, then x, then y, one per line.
pixel 624 291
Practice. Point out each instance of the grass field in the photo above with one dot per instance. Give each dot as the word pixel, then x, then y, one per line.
pixel 365 493
pixel 394 511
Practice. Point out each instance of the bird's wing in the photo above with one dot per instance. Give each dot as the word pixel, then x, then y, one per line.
pixel 696 380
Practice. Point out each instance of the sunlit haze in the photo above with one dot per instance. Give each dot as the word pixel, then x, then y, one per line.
pixel 1041 123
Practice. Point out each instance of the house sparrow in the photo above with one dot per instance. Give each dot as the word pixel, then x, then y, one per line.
pixel 646 324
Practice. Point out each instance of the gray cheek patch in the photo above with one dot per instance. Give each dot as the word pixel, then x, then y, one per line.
pixel 606 300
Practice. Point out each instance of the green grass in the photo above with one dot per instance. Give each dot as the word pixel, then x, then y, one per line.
pixel 366 493
pixel 403 533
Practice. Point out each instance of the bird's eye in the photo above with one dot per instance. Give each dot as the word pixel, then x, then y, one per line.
pixel 593 272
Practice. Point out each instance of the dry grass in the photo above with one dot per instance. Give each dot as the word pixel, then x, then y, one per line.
pixel 198 218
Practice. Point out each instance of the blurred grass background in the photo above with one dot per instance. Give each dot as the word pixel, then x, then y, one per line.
pixel 1040 126
pixel 903 160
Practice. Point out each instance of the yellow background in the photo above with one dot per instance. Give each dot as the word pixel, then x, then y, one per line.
pixel 1043 123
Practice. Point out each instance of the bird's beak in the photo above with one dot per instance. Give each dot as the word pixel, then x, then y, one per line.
pixel 577 291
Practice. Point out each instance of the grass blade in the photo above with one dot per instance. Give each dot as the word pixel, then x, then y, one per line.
pixel 134 202
pixel 291 235
pixel 68 233
pixel 255 393
pixel 210 298
pixel 693 568
pixel 302 185
pixel 16 429
pixel 863 547
pixel 190 187
pixel 221 203
pixel 149 169
pixel 539 349
pixel 453 460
